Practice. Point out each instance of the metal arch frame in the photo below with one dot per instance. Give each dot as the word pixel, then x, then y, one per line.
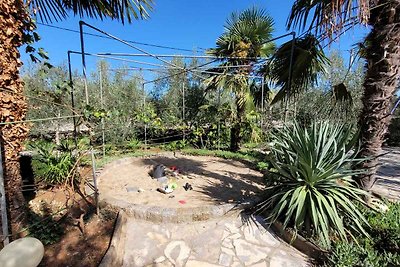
pixel 160 58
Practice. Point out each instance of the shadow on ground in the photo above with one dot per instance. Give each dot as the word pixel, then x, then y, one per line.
pixel 226 186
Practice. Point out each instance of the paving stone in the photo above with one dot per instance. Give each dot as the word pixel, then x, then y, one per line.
pixel 225 234
pixel 249 253
pixel 260 264
pixel 285 262
pixel 195 263
pixel 160 259
pixel 234 236
pixel 232 228
pixel 228 251
pixel 206 244
pixel 162 264
pixel 227 243
pixel 258 235
pixel 177 252
pixel 225 259
pixel 157 237
pixel 237 263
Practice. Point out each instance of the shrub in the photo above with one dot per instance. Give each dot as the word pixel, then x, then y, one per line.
pixel 53 165
pixel 311 188
pixel 383 249
pixel 175 145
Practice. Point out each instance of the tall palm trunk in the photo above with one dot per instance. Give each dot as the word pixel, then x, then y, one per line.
pixel 382 79
pixel 14 21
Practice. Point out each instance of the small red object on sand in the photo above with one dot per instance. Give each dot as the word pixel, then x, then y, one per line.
pixel 173 168
pixel 182 201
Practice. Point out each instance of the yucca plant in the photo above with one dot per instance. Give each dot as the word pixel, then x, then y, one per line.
pixel 312 190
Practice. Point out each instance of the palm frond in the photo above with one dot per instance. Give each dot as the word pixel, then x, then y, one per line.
pixel 246 35
pixel 329 17
pixel 308 61
pixel 121 10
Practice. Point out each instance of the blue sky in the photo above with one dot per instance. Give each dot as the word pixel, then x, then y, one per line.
pixel 176 23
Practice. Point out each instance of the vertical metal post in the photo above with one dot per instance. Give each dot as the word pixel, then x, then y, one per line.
pixel 72 97
pixel 3 204
pixel 183 107
pixel 96 191
pixel 219 120
pixel 289 87
pixel 144 112
pixel 102 107
pixel 262 101
pixel 81 23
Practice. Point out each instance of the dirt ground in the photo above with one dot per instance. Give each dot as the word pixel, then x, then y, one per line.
pixel 214 181
pixel 73 247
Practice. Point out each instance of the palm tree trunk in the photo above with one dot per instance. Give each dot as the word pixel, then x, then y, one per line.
pixel 382 79
pixel 14 22
pixel 237 126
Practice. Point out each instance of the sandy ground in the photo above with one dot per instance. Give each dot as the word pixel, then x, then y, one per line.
pixel 214 181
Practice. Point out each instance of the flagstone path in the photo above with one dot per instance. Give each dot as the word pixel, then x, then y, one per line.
pixel 236 240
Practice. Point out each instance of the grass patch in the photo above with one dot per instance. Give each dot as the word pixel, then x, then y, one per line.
pixel 101 162
pixel 217 153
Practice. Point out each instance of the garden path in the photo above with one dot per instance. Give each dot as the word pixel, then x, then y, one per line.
pixel 238 240
pixel 388 175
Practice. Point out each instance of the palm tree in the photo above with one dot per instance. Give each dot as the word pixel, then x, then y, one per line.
pixel 382 53
pixel 16 29
pixel 243 42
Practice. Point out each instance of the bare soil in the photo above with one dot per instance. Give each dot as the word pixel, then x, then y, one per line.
pixel 214 181
pixel 77 246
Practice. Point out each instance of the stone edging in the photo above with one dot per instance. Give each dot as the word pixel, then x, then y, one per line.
pixel 170 215
pixel 299 242
pixel 113 256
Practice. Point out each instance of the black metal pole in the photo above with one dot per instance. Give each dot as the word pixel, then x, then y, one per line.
pixel 71 83
pixel 289 87
pixel 81 23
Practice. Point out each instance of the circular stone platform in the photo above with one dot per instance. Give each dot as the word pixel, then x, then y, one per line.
pixel 219 186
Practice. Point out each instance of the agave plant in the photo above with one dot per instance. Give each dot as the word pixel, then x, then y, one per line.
pixel 312 189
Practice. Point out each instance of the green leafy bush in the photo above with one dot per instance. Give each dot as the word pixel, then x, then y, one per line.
pixel 53 165
pixel 382 249
pixel 311 187
pixel 176 145
pixel 134 144
pixel 43 226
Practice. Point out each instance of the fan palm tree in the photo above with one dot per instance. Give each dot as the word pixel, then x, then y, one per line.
pixel 16 29
pixel 382 52
pixel 243 42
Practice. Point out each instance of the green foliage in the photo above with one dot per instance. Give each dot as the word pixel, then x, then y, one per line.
pixel 311 188
pixel 383 249
pixel 175 145
pixel 221 153
pixel 262 166
pixel 308 61
pixel 121 10
pixel 44 227
pixel 53 165
pixel 330 98
pixel 134 144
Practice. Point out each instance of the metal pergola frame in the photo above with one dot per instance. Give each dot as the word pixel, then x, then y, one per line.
pixel 196 71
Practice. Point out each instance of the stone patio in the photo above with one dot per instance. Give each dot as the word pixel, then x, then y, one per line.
pixel 236 240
